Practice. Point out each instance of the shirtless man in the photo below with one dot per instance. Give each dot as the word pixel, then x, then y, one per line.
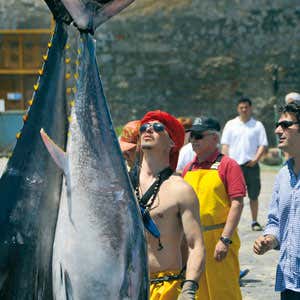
pixel 174 209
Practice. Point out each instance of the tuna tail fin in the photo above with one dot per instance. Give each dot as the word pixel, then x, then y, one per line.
pixel 86 16
pixel 58 155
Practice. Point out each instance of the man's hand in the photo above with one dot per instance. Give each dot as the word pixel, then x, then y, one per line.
pixel 264 244
pixel 220 251
pixel 251 163
pixel 188 291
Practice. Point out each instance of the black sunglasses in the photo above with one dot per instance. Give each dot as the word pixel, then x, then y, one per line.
pixel 285 124
pixel 199 135
pixel 157 127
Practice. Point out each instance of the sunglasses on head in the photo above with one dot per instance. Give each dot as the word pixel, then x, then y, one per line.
pixel 198 135
pixel 157 127
pixel 285 124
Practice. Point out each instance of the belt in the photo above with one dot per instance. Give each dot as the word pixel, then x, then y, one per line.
pixel 169 277
pixel 213 227
pixel 245 164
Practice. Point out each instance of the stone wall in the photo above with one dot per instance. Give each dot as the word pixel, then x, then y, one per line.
pixel 24 14
pixel 193 57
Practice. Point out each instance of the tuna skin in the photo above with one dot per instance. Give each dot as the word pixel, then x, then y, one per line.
pixel 100 248
pixel 30 188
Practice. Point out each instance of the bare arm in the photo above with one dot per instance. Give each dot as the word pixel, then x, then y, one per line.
pixel 232 222
pixel 225 149
pixel 233 217
pixel 189 211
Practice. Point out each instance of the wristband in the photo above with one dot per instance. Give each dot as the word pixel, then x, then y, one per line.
pixel 225 240
pixel 195 283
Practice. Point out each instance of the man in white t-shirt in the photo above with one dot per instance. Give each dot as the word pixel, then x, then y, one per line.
pixel 244 139
pixel 186 153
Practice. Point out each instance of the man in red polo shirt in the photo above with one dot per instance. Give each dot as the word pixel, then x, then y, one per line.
pixel 219 183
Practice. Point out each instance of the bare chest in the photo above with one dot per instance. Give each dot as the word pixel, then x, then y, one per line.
pixel 163 208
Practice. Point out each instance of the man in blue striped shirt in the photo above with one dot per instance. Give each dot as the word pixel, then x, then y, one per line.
pixel 282 231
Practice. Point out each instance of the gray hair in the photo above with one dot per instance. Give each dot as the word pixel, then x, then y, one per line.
pixel 215 131
pixel 292 97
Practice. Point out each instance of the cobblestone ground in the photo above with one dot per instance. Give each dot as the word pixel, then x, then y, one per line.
pixel 259 283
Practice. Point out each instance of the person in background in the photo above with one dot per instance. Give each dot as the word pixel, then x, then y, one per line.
pixel 289 98
pixel 129 142
pixel 186 153
pixel 173 205
pixel 219 183
pixel 282 231
pixel 244 139
pixel 292 97
pixel 187 124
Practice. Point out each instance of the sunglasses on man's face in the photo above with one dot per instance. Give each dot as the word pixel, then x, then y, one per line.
pixel 199 135
pixel 157 127
pixel 285 124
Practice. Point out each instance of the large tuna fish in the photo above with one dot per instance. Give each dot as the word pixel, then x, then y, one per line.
pixel 30 187
pixel 99 248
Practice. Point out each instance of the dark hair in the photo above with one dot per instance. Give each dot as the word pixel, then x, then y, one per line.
pixel 291 108
pixel 244 100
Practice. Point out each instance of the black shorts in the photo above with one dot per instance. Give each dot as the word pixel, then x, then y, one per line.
pixel 252 178
pixel 290 295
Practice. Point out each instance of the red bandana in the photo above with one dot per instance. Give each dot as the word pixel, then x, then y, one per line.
pixel 174 129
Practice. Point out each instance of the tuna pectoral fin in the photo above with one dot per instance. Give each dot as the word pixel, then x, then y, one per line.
pixel 68 287
pixel 58 155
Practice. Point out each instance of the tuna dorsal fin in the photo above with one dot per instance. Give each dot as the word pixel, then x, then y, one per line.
pixel 58 154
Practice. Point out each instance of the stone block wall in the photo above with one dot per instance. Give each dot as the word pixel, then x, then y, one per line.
pixel 192 57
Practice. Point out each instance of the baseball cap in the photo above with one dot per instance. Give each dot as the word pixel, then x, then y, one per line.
pixel 205 123
pixel 130 135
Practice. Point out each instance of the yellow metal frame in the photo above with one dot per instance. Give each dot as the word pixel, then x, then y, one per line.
pixel 25 31
pixel 19 38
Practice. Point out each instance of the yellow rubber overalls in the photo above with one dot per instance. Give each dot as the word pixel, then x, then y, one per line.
pixel 220 280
